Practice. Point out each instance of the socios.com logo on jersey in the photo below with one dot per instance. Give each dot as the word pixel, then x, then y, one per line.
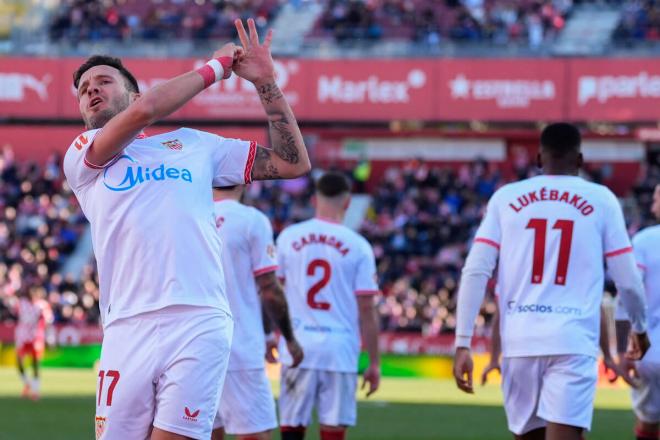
pixel 126 174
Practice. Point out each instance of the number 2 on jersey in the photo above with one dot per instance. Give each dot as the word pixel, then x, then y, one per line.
pixel 326 270
pixel 540 227
pixel 114 374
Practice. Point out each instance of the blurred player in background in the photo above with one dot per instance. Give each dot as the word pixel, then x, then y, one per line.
pixel 167 324
pixel 646 373
pixel 34 315
pixel 330 283
pixel 247 406
pixel 551 233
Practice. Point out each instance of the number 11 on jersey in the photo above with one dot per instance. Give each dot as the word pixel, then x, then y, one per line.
pixel 540 227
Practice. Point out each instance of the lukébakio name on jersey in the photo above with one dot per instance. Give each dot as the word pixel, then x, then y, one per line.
pixel 552 195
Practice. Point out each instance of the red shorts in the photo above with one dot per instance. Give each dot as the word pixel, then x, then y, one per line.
pixel 35 348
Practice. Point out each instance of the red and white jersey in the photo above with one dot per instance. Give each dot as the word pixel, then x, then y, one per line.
pixel 553 234
pixel 32 320
pixel 152 218
pixel 324 266
pixel 248 251
pixel 646 244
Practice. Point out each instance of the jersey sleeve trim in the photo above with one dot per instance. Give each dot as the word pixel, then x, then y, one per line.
pixel 367 292
pixel 619 252
pixel 488 242
pixel 252 153
pixel 100 167
pixel 264 270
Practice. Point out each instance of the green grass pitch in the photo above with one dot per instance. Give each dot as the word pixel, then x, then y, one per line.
pixel 404 409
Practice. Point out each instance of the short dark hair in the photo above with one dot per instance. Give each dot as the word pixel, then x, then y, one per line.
pixel 332 184
pixel 560 139
pixel 104 60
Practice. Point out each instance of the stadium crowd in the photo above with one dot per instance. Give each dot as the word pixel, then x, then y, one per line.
pixel 80 20
pixel 40 225
pixel 420 223
pixel 499 22
pixel 431 22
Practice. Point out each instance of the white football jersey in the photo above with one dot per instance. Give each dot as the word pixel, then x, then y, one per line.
pixel 152 218
pixel 646 244
pixel 553 234
pixel 248 251
pixel 324 266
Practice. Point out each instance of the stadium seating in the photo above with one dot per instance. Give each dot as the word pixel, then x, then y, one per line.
pixel 41 224
pixel 425 21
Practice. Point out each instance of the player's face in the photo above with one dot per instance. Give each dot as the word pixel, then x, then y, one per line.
pixel 102 94
pixel 655 207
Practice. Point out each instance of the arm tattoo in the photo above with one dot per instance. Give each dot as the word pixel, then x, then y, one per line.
pixel 285 137
pixel 284 143
pixel 263 168
pixel 269 93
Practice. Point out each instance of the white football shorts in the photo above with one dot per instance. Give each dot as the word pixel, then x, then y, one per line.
pixel 646 398
pixel 542 389
pixel 331 392
pixel 247 405
pixel 163 368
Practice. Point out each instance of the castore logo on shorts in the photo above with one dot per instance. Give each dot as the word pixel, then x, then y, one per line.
pixel 190 416
pixel 134 174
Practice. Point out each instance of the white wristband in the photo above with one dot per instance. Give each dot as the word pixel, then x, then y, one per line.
pixel 217 69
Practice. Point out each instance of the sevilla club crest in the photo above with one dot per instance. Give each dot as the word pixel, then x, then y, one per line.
pixel 100 427
pixel 175 144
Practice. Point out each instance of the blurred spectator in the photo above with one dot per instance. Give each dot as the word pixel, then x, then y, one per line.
pixel 431 21
pixel 640 20
pixel 40 224
pixel 92 20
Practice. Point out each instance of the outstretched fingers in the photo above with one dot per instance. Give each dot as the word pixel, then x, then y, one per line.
pixel 242 35
pixel 269 39
pixel 254 36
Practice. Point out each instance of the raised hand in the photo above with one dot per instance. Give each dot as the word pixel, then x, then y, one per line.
pixel 229 50
pixel 255 63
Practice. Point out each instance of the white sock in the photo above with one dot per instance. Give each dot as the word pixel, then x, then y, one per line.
pixel 24 379
pixel 35 385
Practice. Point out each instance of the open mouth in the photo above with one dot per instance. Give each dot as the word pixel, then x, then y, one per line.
pixel 95 101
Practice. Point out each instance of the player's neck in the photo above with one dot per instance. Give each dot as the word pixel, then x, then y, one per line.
pixel 548 171
pixel 330 215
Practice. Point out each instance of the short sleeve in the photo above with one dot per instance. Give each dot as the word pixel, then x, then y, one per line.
pixel 232 159
pixel 366 278
pixel 490 231
pixel 262 248
pixel 78 171
pixel 615 235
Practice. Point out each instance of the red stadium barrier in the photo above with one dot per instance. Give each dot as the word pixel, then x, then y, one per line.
pixel 377 90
